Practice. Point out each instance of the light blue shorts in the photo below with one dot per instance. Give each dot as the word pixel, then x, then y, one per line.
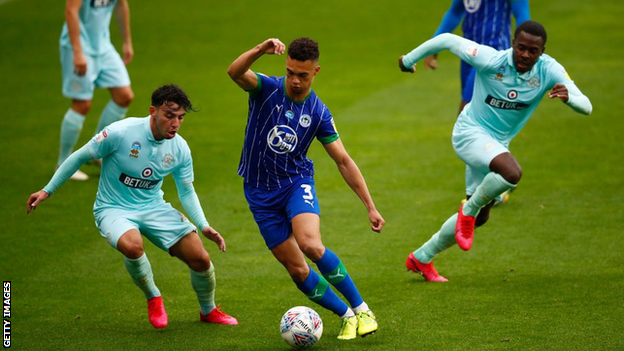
pixel 103 71
pixel 162 224
pixel 477 149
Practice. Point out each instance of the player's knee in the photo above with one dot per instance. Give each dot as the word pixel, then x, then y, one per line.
pixel 297 273
pixel 81 106
pixel 132 250
pixel 124 99
pixel 312 250
pixel 513 176
pixel 200 263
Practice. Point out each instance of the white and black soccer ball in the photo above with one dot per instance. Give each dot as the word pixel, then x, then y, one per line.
pixel 301 327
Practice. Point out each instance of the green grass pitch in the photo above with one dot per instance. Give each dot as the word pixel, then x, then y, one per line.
pixel 546 273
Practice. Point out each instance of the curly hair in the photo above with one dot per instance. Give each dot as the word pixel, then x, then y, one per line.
pixel 171 93
pixel 303 49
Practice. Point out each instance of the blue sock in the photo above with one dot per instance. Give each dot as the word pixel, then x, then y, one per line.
pixel 141 272
pixel 317 289
pixel 111 113
pixel 70 132
pixel 335 272
pixel 204 284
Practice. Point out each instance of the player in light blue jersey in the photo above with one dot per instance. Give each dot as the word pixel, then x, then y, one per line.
pixel 89 60
pixel 137 153
pixel 509 86
pixel 285 116
pixel 486 22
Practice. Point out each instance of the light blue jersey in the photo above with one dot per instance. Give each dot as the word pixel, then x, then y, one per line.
pixel 95 17
pixel 134 164
pixel 504 99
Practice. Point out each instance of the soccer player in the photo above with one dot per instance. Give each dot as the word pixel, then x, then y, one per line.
pixel 89 60
pixel 509 86
pixel 137 153
pixel 285 115
pixel 486 22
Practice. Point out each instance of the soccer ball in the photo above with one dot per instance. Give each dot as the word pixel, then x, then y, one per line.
pixel 301 327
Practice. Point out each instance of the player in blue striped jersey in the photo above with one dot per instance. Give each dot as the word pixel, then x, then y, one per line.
pixel 137 153
pixel 285 116
pixel 509 86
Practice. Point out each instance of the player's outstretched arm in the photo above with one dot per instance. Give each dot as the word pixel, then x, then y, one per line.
pixel 190 202
pixel 240 71
pixel 122 16
pixel 354 178
pixel 35 199
pixel 62 174
pixel 572 96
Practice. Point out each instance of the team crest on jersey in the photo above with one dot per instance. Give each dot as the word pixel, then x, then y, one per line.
pixel 282 139
pixel 101 136
pixel 500 74
pixel 512 94
pixel 167 160
pixel 147 172
pixel 135 148
pixel 290 114
pixel 534 82
pixel 305 121
pixel 472 6
pixel 101 3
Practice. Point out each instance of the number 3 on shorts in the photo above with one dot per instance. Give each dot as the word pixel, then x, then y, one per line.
pixel 308 192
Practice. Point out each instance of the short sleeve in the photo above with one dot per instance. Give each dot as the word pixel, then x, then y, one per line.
pixel 327 131
pixel 265 84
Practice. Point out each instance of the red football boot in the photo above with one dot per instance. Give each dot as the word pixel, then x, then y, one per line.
pixel 218 317
pixel 424 269
pixel 464 229
pixel 156 312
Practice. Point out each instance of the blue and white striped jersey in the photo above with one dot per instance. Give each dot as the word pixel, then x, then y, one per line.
pixel 279 133
pixel 488 22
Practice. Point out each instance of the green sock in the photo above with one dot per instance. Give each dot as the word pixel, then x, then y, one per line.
pixel 439 242
pixel 493 185
pixel 141 272
pixel 70 131
pixel 204 284
pixel 111 113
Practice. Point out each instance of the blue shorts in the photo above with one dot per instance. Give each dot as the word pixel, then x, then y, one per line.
pixel 477 149
pixel 103 71
pixel 467 73
pixel 273 210
pixel 161 224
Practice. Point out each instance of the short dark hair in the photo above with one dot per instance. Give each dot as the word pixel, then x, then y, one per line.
pixel 533 28
pixel 303 49
pixel 171 93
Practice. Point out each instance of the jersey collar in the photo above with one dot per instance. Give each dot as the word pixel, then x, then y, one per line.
pixel 525 75
pixel 148 131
